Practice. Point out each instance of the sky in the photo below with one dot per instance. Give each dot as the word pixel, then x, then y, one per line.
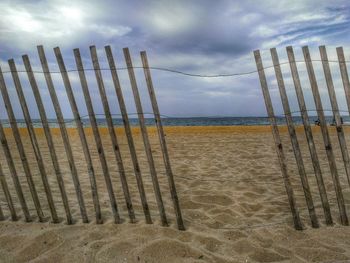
pixel 198 36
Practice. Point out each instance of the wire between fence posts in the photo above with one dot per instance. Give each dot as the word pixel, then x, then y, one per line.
pixel 199 75
pixel 279 148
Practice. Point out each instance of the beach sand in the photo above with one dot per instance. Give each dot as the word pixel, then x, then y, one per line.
pixel 230 189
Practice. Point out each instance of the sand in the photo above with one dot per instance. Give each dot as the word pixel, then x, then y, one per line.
pixel 231 193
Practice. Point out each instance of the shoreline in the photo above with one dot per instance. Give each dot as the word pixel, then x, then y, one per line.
pixel 182 129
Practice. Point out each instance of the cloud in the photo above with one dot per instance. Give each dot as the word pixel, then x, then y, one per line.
pixel 22 25
pixel 109 31
pixel 202 37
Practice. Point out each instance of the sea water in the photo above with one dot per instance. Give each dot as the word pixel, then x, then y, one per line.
pixel 183 121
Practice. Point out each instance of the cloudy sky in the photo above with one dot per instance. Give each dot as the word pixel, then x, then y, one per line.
pixel 201 37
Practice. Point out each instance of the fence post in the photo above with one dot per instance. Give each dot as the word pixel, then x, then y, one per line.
pixel 82 136
pixel 335 109
pixel 294 139
pixel 13 172
pixel 145 136
pixel 278 144
pixel 124 114
pixel 325 135
pixel 20 147
pixel 33 140
pixel 63 131
pixel 309 136
pixel 166 159
pixel 344 75
pixel 7 195
pixel 99 146
pixel 48 136
pixel 2 217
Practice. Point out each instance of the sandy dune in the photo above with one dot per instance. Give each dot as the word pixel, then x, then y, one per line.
pixel 230 188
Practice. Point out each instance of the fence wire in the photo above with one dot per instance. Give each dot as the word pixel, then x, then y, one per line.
pixel 199 75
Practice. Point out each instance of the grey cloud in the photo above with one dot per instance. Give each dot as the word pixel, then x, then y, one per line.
pixel 196 36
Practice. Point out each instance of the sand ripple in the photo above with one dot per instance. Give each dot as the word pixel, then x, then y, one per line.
pixel 230 189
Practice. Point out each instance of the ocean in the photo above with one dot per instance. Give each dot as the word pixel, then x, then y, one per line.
pixel 190 121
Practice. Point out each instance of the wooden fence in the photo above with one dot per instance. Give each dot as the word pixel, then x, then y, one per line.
pixel 83 139
pixel 105 166
pixel 308 132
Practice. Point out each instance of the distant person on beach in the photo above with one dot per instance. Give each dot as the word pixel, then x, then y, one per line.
pixel 318 122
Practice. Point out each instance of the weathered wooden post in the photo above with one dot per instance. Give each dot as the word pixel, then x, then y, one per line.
pixel 13 172
pixel 145 137
pixel 278 144
pixel 83 140
pixel 64 133
pixel 7 196
pixel 125 118
pixel 33 140
pixel 100 149
pixel 335 109
pixel 309 136
pixel 325 135
pixel 20 147
pixel 344 77
pixel 166 159
pixel 48 136
pixel 2 217
pixel 294 139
